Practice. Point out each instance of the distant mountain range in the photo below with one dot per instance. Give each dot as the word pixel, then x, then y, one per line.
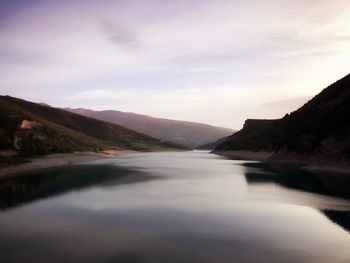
pixel 186 133
pixel 319 130
pixel 33 128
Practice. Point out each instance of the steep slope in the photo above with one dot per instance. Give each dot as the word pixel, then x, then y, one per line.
pixel 181 132
pixel 212 145
pixel 321 128
pixel 37 129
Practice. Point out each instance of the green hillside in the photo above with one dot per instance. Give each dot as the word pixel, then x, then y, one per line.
pixel 321 127
pixel 57 130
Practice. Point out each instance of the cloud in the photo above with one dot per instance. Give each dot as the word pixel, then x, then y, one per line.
pixel 99 94
pixel 120 34
pixel 213 61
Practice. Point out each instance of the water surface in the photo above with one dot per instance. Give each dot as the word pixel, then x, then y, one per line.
pixel 174 207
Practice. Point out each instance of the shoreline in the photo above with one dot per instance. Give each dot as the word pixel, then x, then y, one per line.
pixel 57 159
pixel 245 155
pixel 339 168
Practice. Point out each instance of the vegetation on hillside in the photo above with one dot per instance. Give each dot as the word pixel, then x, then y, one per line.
pixel 321 126
pixel 62 131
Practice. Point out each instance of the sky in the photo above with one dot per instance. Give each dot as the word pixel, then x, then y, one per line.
pixel 218 62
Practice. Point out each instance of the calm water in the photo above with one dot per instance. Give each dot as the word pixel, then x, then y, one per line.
pixel 174 207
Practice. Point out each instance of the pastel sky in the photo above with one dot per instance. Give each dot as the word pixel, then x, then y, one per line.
pixel 218 62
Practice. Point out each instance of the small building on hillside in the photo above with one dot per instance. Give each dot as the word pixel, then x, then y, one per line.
pixel 26 128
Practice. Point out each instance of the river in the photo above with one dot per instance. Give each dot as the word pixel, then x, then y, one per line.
pixel 174 207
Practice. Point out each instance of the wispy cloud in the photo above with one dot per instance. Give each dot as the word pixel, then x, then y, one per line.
pixel 215 61
pixel 99 94
pixel 120 34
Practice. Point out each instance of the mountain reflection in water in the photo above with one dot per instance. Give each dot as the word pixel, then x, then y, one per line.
pixel 48 182
pixel 292 177
pixel 173 207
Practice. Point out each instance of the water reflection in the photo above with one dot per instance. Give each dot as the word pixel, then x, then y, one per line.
pixel 171 207
pixel 45 183
pixel 292 177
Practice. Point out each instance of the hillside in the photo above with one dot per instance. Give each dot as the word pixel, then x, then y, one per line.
pixel 180 132
pixel 211 145
pixel 33 128
pixel 321 128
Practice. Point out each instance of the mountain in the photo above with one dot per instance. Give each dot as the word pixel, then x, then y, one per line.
pixel 212 145
pixel 180 132
pixel 33 128
pixel 318 130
